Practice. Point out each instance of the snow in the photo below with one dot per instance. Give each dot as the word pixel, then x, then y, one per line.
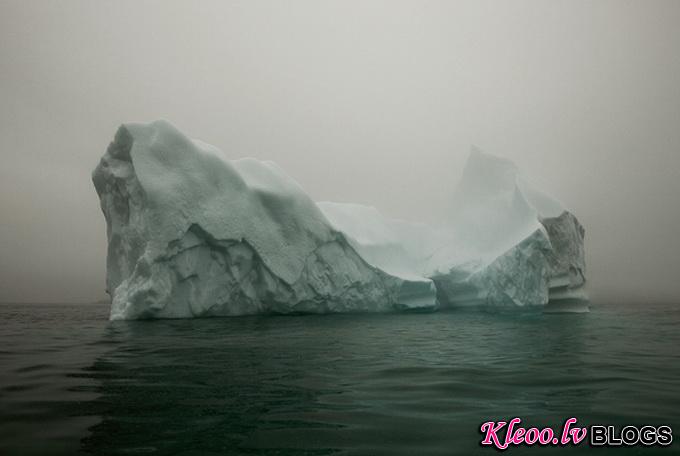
pixel 192 233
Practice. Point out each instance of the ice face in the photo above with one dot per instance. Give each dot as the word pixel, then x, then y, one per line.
pixel 394 246
pixel 521 247
pixel 503 243
pixel 192 233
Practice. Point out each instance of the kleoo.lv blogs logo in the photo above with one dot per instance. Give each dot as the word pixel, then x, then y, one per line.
pixel 504 434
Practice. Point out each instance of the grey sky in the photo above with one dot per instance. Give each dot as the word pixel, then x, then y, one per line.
pixel 369 102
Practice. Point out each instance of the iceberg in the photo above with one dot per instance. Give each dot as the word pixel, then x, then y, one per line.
pixel 192 233
pixel 502 244
pixel 511 245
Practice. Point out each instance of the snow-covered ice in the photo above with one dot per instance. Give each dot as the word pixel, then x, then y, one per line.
pixel 192 233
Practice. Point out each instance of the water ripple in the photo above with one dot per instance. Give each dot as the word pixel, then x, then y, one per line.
pixel 342 384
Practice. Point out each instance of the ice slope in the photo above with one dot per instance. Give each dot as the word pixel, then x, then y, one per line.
pixel 503 243
pixel 394 246
pixel 523 247
pixel 191 233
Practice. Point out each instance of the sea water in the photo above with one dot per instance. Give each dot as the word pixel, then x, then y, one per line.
pixel 394 384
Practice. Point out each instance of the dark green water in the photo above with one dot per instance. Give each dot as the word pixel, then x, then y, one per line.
pixel 342 384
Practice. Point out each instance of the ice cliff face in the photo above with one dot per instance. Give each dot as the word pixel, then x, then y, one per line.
pixel 192 233
pixel 531 246
pixel 503 244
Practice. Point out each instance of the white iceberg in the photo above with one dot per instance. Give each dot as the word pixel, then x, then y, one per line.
pixel 192 233
pixel 511 244
pixel 502 243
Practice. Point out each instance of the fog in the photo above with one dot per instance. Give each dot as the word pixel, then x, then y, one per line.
pixel 368 102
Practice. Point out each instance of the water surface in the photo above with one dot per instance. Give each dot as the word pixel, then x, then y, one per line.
pixel 398 384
